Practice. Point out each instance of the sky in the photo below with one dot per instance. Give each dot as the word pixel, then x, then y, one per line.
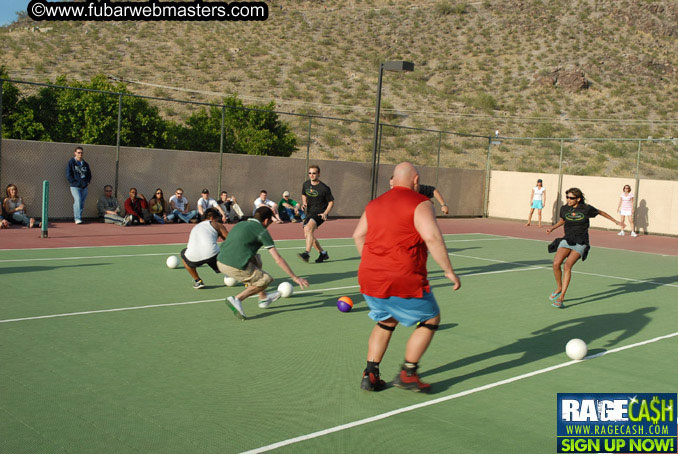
pixel 8 9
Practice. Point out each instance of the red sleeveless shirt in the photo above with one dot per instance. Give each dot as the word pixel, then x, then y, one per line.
pixel 394 257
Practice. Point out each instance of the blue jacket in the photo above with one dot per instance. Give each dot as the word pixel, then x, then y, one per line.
pixel 78 176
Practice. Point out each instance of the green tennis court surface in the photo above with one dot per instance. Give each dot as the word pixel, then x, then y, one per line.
pixel 175 372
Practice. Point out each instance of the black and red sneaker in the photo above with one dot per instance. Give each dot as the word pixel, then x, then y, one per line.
pixel 372 382
pixel 410 380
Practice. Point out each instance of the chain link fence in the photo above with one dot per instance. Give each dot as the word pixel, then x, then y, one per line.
pixel 173 124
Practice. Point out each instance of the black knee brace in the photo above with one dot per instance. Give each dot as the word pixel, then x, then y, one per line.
pixel 386 327
pixel 426 325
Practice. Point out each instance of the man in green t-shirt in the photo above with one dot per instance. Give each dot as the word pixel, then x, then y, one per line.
pixel 289 209
pixel 238 258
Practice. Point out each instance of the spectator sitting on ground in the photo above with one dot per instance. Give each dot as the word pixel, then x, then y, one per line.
pixel 230 207
pixel 205 202
pixel 135 207
pixel 109 209
pixel 290 210
pixel 263 200
pixel 15 208
pixel 179 206
pixel 159 208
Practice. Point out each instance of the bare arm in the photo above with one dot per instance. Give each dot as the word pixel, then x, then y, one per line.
pixel 607 216
pixel 360 233
pixel 560 222
pixel 619 205
pixel 427 227
pixel 439 197
pixel 531 196
pixel 220 228
pixel 304 202
pixel 286 268
pixel 324 214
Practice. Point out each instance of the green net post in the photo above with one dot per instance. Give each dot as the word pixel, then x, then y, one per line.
pixel 45 205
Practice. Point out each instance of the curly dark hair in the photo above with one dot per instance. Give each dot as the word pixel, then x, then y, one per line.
pixel 576 192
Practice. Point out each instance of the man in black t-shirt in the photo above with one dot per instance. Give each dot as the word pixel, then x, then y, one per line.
pixel 317 202
pixel 430 192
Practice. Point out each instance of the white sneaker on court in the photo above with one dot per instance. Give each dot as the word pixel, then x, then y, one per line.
pixel 634 234
pixel 621 233
pixel 236 306
pixel 270 298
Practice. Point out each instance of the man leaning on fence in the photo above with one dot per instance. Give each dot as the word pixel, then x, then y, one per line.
pixel 79 175
pixel 109 208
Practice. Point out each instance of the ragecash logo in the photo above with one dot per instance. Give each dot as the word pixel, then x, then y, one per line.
pixel 617 423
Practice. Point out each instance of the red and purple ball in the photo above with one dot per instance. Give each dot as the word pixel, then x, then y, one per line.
pixel 345 304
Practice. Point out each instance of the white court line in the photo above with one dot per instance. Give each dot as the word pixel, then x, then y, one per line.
pixel 398 411
pixel 573 271
pixel 547 241
pixel 499 237
pixel 151 306
pixel 46 259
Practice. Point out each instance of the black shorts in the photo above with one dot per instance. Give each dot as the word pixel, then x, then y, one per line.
pixel 316 217
pixel 212 261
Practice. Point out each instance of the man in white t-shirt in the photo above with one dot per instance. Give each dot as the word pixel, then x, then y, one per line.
pixel 263 200
pixel 205 202
pixel 202 248
pixel 179 207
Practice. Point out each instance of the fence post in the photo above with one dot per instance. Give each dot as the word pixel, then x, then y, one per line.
pixel 45 209
pixel 376 172
pixel 635 197
pixel 117 147
pixel 487 177
pixel 221 147
pixel 308 147
pixel 554 216
pixel 440 140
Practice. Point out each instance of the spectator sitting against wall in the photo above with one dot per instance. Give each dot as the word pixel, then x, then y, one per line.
pixel 206 202
pixel 230 207
pixel 290 210
pixel 109 209
pixel 137 208
pixel 262 201
pixel 159 208
pixel 15 209
pixel 179 207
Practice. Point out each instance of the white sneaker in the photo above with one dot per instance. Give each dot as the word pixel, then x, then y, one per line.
pixel 78 221
pixel 236 306
pixel 621 233
pixel 634 234
pixel 270 298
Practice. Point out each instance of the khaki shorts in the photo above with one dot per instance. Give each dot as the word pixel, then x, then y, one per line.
pixel 252 275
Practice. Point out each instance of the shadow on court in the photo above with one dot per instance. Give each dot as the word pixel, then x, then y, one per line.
pixel 493 268
pixel 33 269
pixel 546 342
pixel 622 289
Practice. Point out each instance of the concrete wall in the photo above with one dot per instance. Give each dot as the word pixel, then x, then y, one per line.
pixel 657 200
pixel 28 163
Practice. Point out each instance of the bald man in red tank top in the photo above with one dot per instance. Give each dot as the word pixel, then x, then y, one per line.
pixel 394 236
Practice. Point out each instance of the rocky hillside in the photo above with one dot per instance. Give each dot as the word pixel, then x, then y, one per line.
pixel 581 68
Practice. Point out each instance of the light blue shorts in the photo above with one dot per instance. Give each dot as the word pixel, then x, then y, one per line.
pixel 408 311
pixel 578 248
pixel 538 204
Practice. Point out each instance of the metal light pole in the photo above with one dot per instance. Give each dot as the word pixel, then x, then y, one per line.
pixel 384 66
